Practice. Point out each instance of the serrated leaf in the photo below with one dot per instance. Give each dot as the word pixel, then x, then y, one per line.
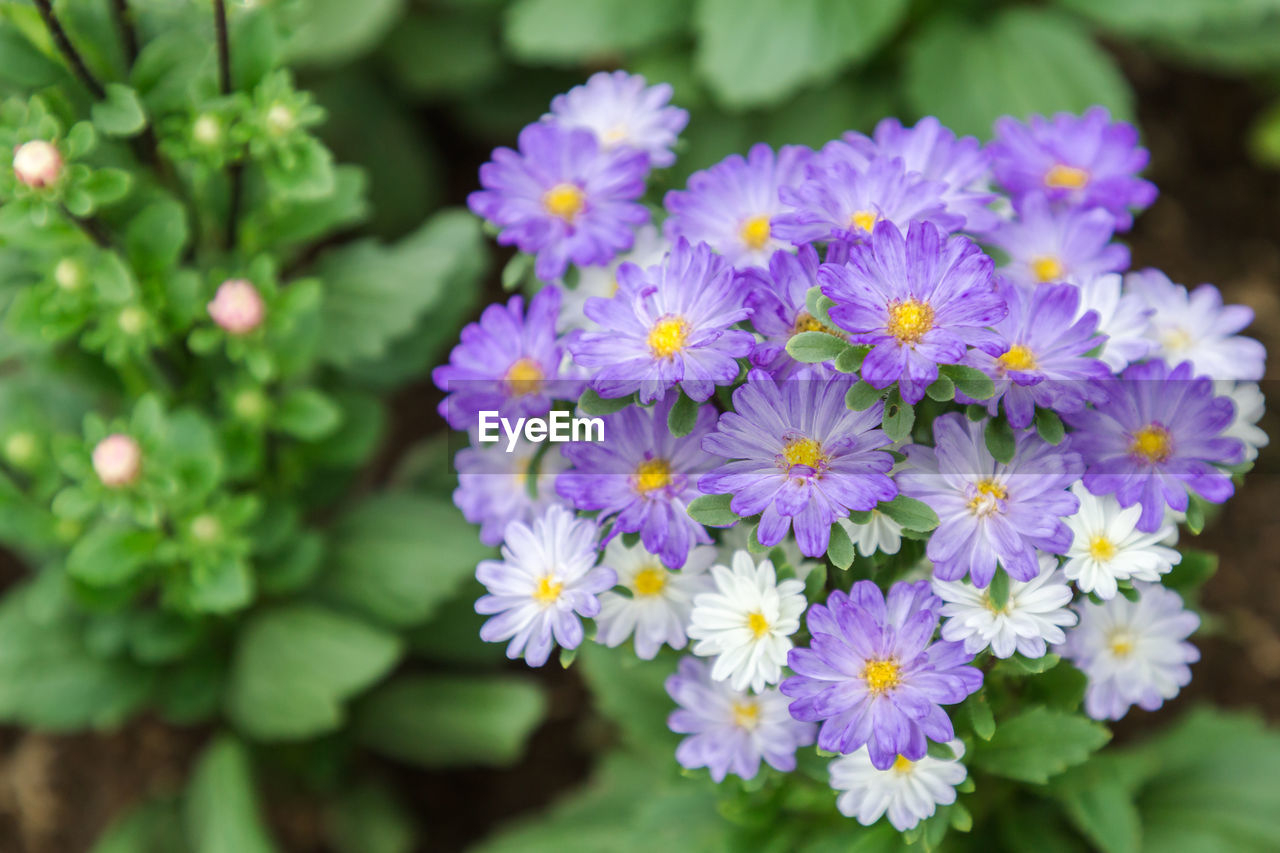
pixel 910 513
pixel 1038 743
pixel 713 510
pixel 815 347
pixel 1000 441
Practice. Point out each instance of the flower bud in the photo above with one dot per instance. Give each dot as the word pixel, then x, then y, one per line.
pixel 37 163
pixel 69 274
pixel 117 460
pixel 207 130
pixel 237 307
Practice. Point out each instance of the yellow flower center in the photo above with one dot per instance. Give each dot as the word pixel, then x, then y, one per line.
pixel 668 336
pixel 547 590
pixel 910 320
pixel 902 764
pixel 758 624
pixel 755 232
pixel 1018 357
pixel 880 675
pixel 651 475
pixel 985 497
pixel 864 220
pixel 991 605
pixel 524 376
pixel 1152 443
pixel 1062 177
pixel 1048 268
pixel 803 451
pixel 746 714
pixel 1121 643
pixel 1101 548
pixel 650 581
pixel 1175 339
pixel 565 201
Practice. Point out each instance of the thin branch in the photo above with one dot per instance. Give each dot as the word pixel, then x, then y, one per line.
pixel 128 35
pixel 68 49
pixel 91 227
pixel 235 172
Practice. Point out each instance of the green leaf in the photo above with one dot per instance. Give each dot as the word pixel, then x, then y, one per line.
pixel 1000 440
pixel 1190 574
pixel 445 721
pixel 851 358
pixel 978 711
pixel 998 591
pixel 307 414
pixel 861 396
pixel 120 113
pixel 840 552
pixel 942 389
pixel 757 52
pixel 1038 743
pixel 24 65
pixel 1105 814
pixel 111 554
pixel 815 347
pixel 566 32
pixel 154 826
pixel 156 236
pixel 295 665
pixel 630 693
pixel 591 403
pixel 221 586
pixel 910 513
pixel 683 416
pixel 1049 426
pixel 331 32
pixel 899 417
pixel 1021 666
pixel 1019 62
pixel 969 381
pixel 106 186
pixel 222 812
pixel 713 510
pixel 368 819
pixel 1195 515
pixel 464 54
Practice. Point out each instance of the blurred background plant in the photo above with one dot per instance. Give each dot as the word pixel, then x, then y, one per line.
pixel 266 596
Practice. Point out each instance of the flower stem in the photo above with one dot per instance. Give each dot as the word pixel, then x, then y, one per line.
pixel 128 35
pixel 68 50
pixel 235 171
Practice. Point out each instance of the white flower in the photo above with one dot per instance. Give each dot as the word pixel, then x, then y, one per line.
pixel 880 533
pixel 657 610
pixel 602 281
pixel 1122 317
pixel 736 538
pixel 747 621
pixel 1034 614
pixel 620 109
pixel 909 791
pixel 1108 547
pixel 1133 652
pixel 1250 407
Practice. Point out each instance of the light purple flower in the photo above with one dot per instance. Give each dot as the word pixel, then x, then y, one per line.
pixel 990 511
pixel 1039 359
pixel 667 325
pixel 622 110
pixel 545 581
pixel 507 362
pixel 873 677
pixel 1080 161
pixel 918 301
pixel 1122 318
pixel 729 730
pixel 643 477
pixel 562 197
pixel 802 458
pixel 493 486
pixel 1158 433
pixel 778 308
pixel 733 204
pixel 1068 245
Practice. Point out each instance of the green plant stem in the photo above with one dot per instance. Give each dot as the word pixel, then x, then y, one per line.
pixel 128 35
pixel 68 50
pixel 235 171
pixel 92 229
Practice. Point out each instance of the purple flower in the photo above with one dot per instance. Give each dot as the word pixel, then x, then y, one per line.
pixel 622 111
pixel 1039 359
pixel 1158 434
pixel 644 476
pixel 1072 244
pixel 1080 161
pixel 563 197
pixel 733 204
pixel 873 677
pixel 918 301
pixel 989 511
pixel 507 362
pixel 667 325
pixel 493 486
pixel 731 730
pixel 778 312
pixel 803 458
pixel 839 202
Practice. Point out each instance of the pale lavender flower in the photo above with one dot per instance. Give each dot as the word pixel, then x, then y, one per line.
pixel 1047 246
pixel 622 110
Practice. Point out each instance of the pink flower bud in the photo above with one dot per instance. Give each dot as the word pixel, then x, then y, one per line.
pixel 37 163
pixel 237 306
pixel 117 460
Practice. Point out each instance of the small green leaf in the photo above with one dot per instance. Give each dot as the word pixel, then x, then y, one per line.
pixel 840 552
pixel 1195 515
pixel 713 510
pixel 683 416
pixel 1021 666
pixel 851 359
pixel 978 711
pixel 106 186
pixel 942 389
pixel 517 270
pixel 307 414
pixel 569 32
pixel 998 591
pixel 910 513
pixel 899 417
pixel 969 381
pixel 861 396
pixel 222 812
pixel 120 113
pixel 1039 743
pixel 1195 568
pixel 111 554
pixel 1000 440
pixel 815 347
pixel 591 403
pixel 941 751
pixel 1049 426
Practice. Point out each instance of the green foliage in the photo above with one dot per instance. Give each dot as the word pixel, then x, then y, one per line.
pixel 222 813
pixel 1038 743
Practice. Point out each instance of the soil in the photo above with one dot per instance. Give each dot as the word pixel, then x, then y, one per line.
pixel 1216 220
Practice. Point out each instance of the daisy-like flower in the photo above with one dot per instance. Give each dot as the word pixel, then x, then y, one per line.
pixel 918 301
pixel 656 608
pixel 739 538
pixel 1195 326
pixel 747 622
pixel 643 478
pixel 623 111
pixel 1158 433
pixel 873 677
pixel 879 533
pixel 1108 547
pixel 732 205
pixel 1250 407
pixel 778 312
pixel 909 791
pixel 990 511
pixel 602 281
pixel 802 458
pixel 1039 357
pixel 730 730
pixel 494 486
pixel 562 197
pixel 668 325
pixel 1133 652
pixel 1080 161
pixel 1034 614
pixel 507 362
pixel 546 580
pixel 1047 246
pixel 839 202
pixel 1122 318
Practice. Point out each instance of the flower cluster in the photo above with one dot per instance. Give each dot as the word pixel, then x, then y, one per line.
pixel 980 459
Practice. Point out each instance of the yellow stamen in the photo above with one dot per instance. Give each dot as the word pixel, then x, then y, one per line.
pixel 668 336
pixel 1101 548
pixel 1175 339
pixel 755 232
pixel 910 320
pixel 758 624
pixel 1062 177
pixel 986 497
pixel 880 675
pixel 650 581
pixel 746 715
pixel 651 475
pixel 524 376
pixel 1152 443
pixel 864 220
pixel 547 590
pixel 902 764
pixel 1048 268
pixel 565 201
pixel 803 451
pixel 1018 357
pixel 1121 644
pixel 991 605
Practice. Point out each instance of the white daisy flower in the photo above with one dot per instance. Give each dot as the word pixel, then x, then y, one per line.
pixel 1133 652
pixel 735 539
pixel 620 109
pixel 909 791
pixel 747 622
pixel 1108 547
pixel 880 533
pixel 602 281
pixel 1250 407
pixel 657 609
pixel 1122 317
pixel 1034 614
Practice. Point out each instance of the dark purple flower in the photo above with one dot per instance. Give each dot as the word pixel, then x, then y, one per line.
pixel 1070 245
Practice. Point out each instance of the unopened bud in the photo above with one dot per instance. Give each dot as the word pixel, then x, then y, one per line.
pixel 21 449
pixel 37 163
pixel 132 320
pixel 117 460
pixel 207 130
pixel 69 274
pixel 280 120
pixel 237 307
